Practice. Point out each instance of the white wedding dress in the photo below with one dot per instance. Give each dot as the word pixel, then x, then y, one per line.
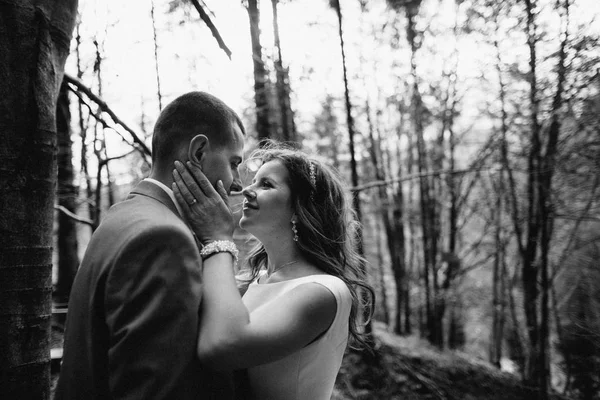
pixel 308 374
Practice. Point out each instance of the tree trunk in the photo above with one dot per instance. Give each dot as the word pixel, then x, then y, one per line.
pixel 288 128
pixel 263 125
pixel 498 289
pixel 413 260
pixel 156 65
pixel 381 270
pixel 428 210
pixel 83 133
pixel 530 271
pixel 98 128
pixel 34 44
pixel 451 258
pixel 546 174
pixel 395 238
pixel 68 260
pixel 353 166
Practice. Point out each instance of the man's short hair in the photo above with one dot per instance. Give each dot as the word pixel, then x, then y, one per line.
pixel 189 115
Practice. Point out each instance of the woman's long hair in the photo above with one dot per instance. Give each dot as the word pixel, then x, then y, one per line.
pixel 327 228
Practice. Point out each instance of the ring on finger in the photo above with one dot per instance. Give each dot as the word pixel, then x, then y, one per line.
pixel 193 202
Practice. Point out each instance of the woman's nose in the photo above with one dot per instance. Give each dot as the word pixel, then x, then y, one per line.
pixel 248 193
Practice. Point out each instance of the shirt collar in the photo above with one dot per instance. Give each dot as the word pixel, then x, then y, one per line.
pixel 168 191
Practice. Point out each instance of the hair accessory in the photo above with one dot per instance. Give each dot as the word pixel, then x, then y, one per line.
pixel 313 180
pixel 295 230
pixel 220 246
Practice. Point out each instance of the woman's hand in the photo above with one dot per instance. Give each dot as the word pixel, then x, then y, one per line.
pixel 206 208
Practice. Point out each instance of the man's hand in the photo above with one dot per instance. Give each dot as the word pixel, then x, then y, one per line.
pixel 206 207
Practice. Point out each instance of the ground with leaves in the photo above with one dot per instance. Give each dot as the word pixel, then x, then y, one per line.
pixel 408 369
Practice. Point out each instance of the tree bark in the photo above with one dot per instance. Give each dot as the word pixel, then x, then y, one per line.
pixel 156 64
pixel 381 270
pixel 394 236
pixel 498 289
pixel 34 44
pixel 547 166
pixel 428 209
pixel 263 124
pixel 288 128
pixel 530 270
pixel 351 133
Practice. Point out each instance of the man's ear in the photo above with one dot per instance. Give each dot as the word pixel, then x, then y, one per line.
pixel 199 146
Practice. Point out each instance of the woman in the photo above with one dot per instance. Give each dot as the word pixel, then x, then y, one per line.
pixel 291 327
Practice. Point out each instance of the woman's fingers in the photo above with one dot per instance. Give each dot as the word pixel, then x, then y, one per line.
pixel 222 192
pixel 179 197
pixel 198 176
pixel 194 188
pixel 211 218
pixel 187 196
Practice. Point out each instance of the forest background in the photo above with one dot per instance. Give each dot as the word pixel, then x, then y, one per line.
pixel 469 133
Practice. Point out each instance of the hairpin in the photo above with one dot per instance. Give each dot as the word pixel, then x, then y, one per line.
pixel 313 180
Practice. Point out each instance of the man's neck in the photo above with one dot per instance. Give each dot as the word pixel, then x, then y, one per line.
pixel 164 178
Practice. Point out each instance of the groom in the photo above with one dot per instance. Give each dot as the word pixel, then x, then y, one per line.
pixel 132 324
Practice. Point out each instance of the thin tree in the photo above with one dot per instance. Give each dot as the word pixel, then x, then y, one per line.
pixel 427 203
pixel 68 260
pixel 83 127
pixel 547 167
pixel 34 45
pixel 288 128
pixel 498 280
pixel 156 64
pixel 335 4
pixel 392 223
pixel 263 124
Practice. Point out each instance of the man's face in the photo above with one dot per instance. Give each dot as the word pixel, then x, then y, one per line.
pixel 223 163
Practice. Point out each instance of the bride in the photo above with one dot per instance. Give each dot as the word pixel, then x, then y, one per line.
pixel 291 327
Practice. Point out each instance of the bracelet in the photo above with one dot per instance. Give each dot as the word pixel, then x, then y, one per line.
pixel 220 246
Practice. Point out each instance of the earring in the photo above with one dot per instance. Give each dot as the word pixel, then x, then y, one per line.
pixel 295 231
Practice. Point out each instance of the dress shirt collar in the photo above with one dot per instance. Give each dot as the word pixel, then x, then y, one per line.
pixel 168 191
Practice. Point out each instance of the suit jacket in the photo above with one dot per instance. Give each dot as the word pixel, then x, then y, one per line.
pixel 132 323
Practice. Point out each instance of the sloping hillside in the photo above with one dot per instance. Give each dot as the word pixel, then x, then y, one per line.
pixel 407 370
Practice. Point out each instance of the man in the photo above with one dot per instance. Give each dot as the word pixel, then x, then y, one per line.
pixel 132 324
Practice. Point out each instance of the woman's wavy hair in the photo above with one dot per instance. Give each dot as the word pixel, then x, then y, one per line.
pixel 327 228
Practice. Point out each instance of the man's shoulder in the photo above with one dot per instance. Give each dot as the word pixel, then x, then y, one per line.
pixel 142 210
pixel 135 218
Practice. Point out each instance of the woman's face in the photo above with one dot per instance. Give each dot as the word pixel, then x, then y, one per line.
pixel 267 207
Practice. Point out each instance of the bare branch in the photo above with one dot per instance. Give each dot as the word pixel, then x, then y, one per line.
pixel 577 218
pixel 405 178
pixel 575 230
pixel 213 29
pixel 106 125
pixel 105 108
pixel 106 160
pixel 73 216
